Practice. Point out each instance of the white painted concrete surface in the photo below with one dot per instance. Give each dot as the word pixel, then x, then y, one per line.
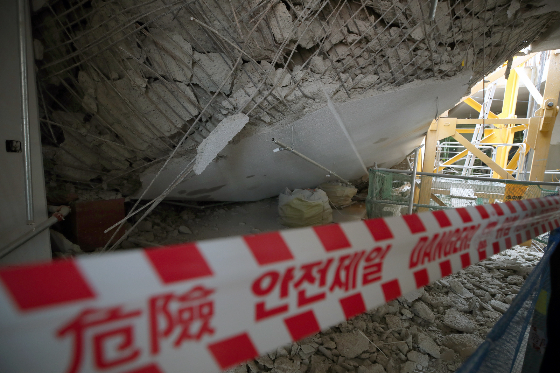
pixel 385 128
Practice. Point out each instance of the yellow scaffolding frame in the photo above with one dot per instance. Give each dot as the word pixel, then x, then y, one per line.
pixel 506 124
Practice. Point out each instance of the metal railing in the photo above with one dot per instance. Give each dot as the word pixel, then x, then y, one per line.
pixel 447 150
pixel 391 190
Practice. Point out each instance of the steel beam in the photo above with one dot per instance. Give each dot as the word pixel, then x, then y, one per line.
pixel 548 113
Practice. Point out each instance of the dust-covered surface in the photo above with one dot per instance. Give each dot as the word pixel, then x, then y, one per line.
pixel 224 132
pixel 122 83
pixel 170 224
pixel 433 329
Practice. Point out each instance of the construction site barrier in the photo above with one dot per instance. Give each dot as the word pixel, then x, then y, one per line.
pixel 210 305
pixel 515 344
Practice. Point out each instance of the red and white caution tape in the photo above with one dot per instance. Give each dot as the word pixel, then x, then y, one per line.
pixel 207 306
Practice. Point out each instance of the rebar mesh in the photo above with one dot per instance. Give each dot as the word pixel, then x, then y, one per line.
pixel 389 192
pixel 123 83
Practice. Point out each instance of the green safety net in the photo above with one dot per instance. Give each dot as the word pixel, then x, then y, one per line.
pixel 389 192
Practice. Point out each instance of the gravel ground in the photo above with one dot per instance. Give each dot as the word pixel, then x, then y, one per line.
pixel 433 329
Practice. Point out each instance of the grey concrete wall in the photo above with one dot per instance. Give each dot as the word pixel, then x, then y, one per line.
pixel 13 220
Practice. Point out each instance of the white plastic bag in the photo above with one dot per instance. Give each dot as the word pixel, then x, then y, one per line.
pixel 304 207
pixel 339 194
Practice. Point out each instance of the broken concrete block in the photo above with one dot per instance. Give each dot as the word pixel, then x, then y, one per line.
pixel 443 17
pixel 217 140
pixel 374 368
pixel 87 83
pixel 169 105
pixel 391 12
pixel 411 296
pixel 246 75
pixel 459 289
pixel 458 302
pixel 366 81
pixel 281 24
pixel 89 104
pixel 212 71
pixel 266 361
pixel 89 219
pixel 350 345
pixel 515 280
pixel 393 322
pixel 458 321
pixel 408 367
pixel 62 244
pixel 317 65
pixel 339 51
pixel 126 244
pixel 427 345
pixel 418 32
pixel 422 310
pixel 284 364
pixel 499 306
pixel 170 54
pixel 418 358
pixel 144 226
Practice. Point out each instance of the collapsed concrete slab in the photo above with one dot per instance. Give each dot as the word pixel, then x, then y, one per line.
pixel 145 75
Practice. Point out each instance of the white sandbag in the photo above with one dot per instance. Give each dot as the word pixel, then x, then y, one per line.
pixel 304 207
pixel 339 194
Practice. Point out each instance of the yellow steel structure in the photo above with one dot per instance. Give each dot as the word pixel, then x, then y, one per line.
pixel 508 111
pixel 505 126
pixel 548 113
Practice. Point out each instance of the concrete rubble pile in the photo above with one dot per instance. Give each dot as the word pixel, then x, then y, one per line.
pixel 122 82
pixel 434 329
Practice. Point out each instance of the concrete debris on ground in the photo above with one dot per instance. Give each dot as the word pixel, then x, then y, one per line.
pixel 433 329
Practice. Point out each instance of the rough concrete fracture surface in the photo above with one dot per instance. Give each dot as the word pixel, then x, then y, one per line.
pixel 123 83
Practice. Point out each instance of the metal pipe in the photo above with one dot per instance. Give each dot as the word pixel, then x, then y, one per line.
pixel 472 178
pixel 413 181
pixel 389 202
pixel 481 145
pixel 309 160
pixel 22 26
pixel 55 217
pixel 433 7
